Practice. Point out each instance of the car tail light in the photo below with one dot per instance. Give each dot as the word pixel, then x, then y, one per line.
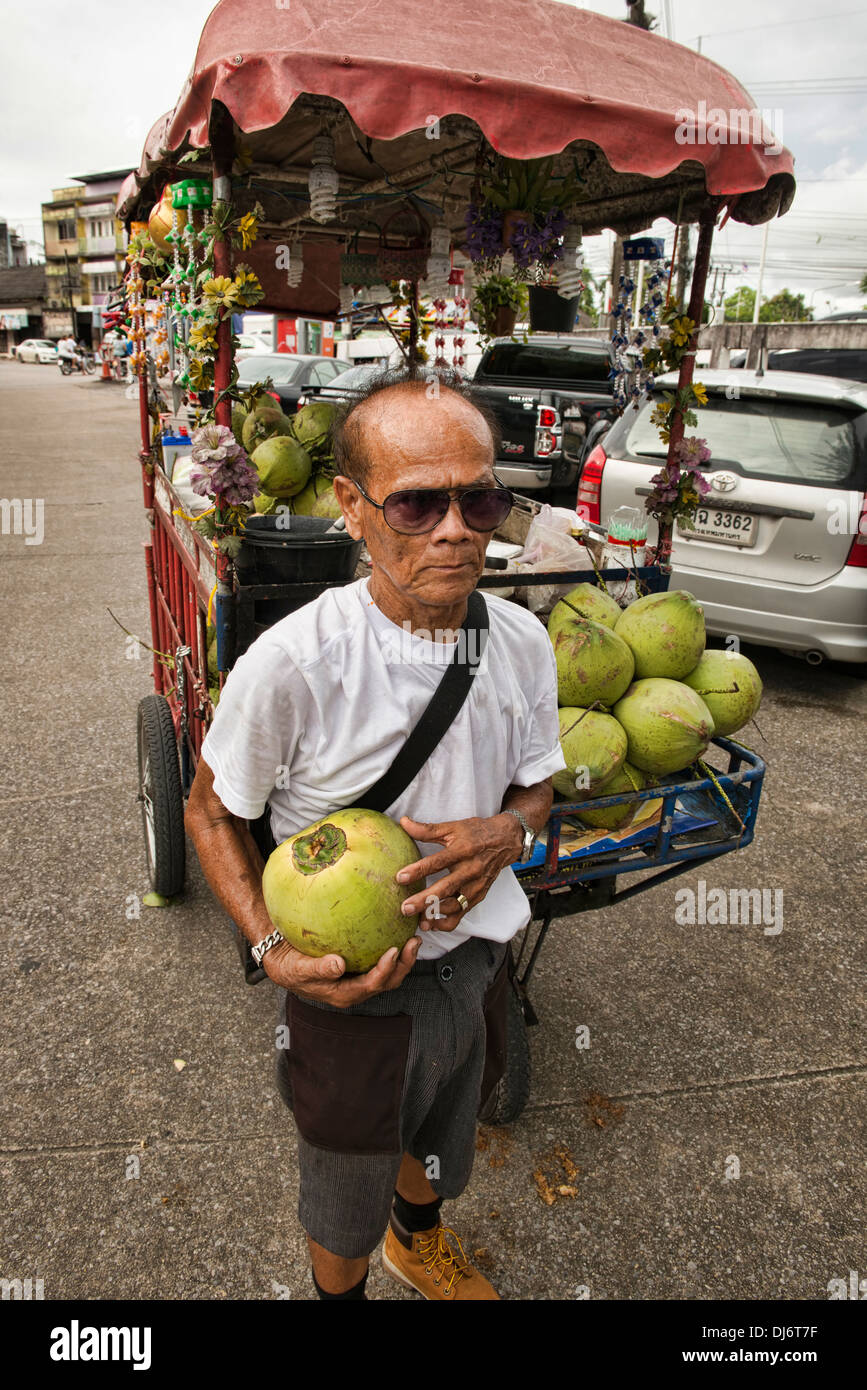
pixel 546 443
pixel 590 486
pixel 858 552
pixel 274 395
pixel 547 417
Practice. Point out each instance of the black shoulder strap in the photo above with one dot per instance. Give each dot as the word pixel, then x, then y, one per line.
pixel 441 710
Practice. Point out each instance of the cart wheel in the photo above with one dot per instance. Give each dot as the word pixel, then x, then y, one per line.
pixel 512 1091
pixel 161 796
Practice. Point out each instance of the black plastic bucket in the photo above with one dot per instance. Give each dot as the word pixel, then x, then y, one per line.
pixel 285 549
pixel 550 312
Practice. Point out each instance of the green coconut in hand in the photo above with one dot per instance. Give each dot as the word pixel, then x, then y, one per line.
pixel 331 890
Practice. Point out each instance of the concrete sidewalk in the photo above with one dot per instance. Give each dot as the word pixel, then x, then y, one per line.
pixel 713 1130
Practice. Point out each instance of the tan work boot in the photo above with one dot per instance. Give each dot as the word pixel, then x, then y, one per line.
pixel 427 1263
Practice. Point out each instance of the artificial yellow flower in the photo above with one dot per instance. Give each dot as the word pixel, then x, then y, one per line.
pixel 201 374
pixel 243 157
pixel 220 290
pixel 700 392
pixel 204 337
pixel 690 498
pixel 247 288
pixel 248 230
pixel 681 331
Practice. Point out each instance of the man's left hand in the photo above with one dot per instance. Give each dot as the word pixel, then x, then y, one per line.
pixel 476 851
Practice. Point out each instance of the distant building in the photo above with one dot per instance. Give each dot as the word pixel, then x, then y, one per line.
pixel 13 248
pixel 85 249
pixel 22 305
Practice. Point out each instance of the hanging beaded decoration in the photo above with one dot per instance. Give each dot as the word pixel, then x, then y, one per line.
pixel 439 306
pixel 636 323
pixel 136 310
pixel 456 279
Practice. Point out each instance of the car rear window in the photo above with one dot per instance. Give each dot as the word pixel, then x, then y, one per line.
pixel 546 362
pixel 282 369
pixel 794 441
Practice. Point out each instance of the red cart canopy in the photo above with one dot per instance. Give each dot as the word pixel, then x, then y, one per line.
pixel 532 77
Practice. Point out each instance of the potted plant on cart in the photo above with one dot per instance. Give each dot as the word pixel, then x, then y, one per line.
pixel 499 301
pixel 533 205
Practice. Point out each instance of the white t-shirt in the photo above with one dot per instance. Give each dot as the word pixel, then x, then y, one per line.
pixel 315 711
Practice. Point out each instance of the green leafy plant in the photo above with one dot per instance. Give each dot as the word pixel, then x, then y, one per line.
pixel 528 185
pixel 497 292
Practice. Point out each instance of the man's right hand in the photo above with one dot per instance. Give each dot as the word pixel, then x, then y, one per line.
pixel 318 977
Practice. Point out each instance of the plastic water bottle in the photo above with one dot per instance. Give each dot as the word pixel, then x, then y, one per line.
pixel 625 548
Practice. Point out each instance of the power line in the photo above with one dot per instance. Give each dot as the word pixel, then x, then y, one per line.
pixel 778 24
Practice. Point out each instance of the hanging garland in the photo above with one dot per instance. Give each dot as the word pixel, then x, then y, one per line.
pixel 637 325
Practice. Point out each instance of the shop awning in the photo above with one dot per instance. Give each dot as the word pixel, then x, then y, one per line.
pixel 532 77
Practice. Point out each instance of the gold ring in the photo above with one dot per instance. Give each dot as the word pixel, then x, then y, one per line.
pixel 459 897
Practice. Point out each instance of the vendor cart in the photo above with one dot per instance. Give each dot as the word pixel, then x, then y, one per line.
pixel 401 110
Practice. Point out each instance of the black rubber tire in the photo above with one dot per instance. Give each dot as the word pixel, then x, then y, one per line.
pixel 65 368
pixel 512 1091
pixel 161 796
pixel 87 365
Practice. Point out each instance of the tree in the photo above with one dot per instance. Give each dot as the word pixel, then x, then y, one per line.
pixel 864 284
pixel 784 307
pixel 587 303
pixel 739 306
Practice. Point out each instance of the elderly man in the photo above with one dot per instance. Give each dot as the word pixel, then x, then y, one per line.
pixel 383 1071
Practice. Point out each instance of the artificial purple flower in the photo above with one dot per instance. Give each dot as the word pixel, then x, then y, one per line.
pixel 692 451
pixel 535 242
pixel 484 233
pixel 222 469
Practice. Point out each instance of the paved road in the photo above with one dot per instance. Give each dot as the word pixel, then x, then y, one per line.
pixel 716 1120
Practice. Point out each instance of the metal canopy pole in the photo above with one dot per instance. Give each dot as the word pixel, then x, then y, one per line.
pixel 694 311
pixel 223 154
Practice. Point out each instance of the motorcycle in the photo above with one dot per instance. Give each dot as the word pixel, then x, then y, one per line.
pixel 83 363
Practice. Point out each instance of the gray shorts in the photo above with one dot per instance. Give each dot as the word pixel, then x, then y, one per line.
pixel 404 1072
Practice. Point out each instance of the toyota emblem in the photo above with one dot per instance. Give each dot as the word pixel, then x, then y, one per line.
pixel 723 482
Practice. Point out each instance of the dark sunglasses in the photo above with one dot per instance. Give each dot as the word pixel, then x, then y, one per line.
pixel 421 509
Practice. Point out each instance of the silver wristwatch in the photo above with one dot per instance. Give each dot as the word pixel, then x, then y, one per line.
pixel 529 835
pixel 265 944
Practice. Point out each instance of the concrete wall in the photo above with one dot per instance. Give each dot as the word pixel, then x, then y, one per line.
pixel 723 338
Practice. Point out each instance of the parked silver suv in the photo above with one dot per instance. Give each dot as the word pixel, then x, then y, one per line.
pixel 778 555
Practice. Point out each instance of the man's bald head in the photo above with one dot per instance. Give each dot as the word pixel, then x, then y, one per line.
pixel 380 412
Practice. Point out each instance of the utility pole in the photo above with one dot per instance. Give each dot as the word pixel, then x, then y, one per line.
pixel 761 272
pixel 69 296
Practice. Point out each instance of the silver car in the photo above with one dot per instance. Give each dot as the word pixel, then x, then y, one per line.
pixel 778 551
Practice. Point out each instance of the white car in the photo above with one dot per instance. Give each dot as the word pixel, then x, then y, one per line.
pixel 251 345
pixel 36 350
pixel 777 553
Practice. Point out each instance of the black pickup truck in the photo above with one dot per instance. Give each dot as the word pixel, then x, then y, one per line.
pixel 549 395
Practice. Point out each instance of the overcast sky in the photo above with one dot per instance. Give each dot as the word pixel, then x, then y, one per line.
pixel 83 83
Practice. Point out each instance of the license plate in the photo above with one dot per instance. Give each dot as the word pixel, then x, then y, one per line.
pixel 727 528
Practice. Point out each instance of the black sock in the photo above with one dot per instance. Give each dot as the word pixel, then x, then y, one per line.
pixel 356 1292
pixel 416 1216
